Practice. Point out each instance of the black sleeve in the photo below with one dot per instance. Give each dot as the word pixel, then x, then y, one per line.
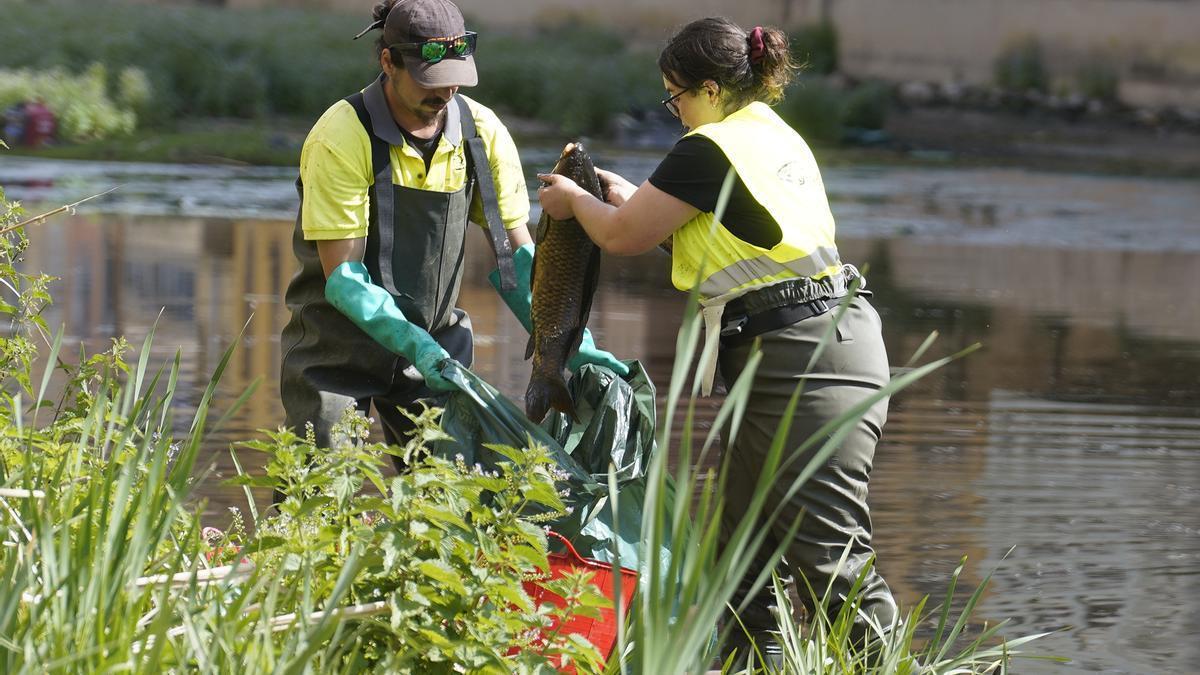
pixel 693 172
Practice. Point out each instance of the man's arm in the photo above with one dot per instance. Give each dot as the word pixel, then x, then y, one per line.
pixel 517 236
pixel 334 252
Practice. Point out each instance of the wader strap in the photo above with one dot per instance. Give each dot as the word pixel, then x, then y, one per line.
pixel 477 163
pixel 382 194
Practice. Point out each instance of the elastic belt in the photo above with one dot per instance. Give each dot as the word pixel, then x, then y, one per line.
pixel 739 329
pixel 783 304
pixel 791 292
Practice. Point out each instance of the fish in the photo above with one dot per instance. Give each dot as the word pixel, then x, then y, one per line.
pixel 566 271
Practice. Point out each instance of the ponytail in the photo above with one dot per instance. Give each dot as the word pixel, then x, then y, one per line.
pixel 774 71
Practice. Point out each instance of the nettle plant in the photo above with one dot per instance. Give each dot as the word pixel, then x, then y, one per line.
pixel 440 552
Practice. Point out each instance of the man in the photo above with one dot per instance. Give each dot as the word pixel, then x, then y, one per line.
pixel 388 180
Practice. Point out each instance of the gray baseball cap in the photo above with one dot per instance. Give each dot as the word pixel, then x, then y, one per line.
pixel 414 21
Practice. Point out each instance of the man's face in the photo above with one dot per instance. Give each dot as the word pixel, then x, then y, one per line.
pixel 423 103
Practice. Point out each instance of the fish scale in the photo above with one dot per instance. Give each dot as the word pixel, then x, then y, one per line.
pixel 566 270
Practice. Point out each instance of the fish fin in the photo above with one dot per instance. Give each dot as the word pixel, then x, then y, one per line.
pixel 542 395
pixel 590 284
pixel 542 227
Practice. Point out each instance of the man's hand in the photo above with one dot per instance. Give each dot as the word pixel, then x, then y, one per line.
pixel 427 356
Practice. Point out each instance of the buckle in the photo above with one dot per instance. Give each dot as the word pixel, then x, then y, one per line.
pixel 734 327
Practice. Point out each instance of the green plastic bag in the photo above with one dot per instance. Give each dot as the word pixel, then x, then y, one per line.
pixel 616 426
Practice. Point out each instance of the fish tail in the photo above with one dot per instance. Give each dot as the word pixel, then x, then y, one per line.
pixel 544 394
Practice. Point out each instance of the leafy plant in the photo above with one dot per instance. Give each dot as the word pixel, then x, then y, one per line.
pixel 585 77
pixel 815 109
pixel 815 47
pixel 867 106
pixel 199 61
pixel 446 547
pixel 1020 66
pixel 1098 78
pixel 84 108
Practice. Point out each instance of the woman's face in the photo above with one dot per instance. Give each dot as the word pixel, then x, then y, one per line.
pixel 694 107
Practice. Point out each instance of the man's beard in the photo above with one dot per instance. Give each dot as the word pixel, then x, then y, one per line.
pixel 431 109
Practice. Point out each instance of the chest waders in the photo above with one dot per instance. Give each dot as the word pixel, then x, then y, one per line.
pixel 791 297
pixel 415 251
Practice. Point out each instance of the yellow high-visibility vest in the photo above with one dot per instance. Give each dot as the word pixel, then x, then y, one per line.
pixel 780 172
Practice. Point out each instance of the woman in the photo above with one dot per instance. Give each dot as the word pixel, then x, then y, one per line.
pixel 768 269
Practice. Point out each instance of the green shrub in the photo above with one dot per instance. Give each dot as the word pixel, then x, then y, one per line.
pixel 814 109
pixel 1020 66
pixel 815 47
pixel 823 113
pixel 867 106
pixel 575 78
pixel 82 103
pixel 1098 78
pixel 200 61
pixel 203 61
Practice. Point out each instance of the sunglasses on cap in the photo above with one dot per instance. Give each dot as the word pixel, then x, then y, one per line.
pixel 436 49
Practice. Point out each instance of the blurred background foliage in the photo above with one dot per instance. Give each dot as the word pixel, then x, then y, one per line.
pixel 199 61
pixel 194 62
pixel 89 104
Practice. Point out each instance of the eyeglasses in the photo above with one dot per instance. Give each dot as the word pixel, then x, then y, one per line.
pixel 670 104
pixel 436 49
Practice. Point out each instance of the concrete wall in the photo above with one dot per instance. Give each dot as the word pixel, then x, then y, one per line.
pixel 1154 44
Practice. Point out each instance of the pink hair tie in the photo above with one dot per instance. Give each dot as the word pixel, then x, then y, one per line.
pixel 757 49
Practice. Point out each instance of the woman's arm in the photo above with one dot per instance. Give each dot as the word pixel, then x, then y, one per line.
pixel 645 219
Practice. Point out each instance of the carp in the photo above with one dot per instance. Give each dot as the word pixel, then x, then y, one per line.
pixel 566 270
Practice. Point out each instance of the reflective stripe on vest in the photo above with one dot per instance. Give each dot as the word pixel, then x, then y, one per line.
pixel 780 172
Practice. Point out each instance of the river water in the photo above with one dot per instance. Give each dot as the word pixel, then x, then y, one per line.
pixel 1063 456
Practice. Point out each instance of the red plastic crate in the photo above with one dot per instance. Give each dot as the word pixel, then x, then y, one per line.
pixel 601 632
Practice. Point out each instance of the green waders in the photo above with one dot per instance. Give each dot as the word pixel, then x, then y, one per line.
pixel 415 251
pixel 834 500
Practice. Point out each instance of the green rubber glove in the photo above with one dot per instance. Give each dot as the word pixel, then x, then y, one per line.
pixel 520 298
pixel 372 309
pixel 520 301
pixel 588 353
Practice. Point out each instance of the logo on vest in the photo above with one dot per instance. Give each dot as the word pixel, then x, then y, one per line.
pixel 792 172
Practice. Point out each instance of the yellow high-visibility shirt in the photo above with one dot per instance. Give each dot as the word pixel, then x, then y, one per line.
pixel 335 167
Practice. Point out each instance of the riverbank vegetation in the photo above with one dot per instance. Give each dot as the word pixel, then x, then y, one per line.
pixel 191 83
pixel 205 63
pixel 108 565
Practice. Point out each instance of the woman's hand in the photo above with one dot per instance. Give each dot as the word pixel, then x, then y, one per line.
pixel 617 188
pixel 556 195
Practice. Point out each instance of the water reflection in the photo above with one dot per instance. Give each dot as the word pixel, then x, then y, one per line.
pixel 1073 434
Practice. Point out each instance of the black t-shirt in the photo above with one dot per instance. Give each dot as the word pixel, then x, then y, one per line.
pixel 426 146
pixel 694 171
